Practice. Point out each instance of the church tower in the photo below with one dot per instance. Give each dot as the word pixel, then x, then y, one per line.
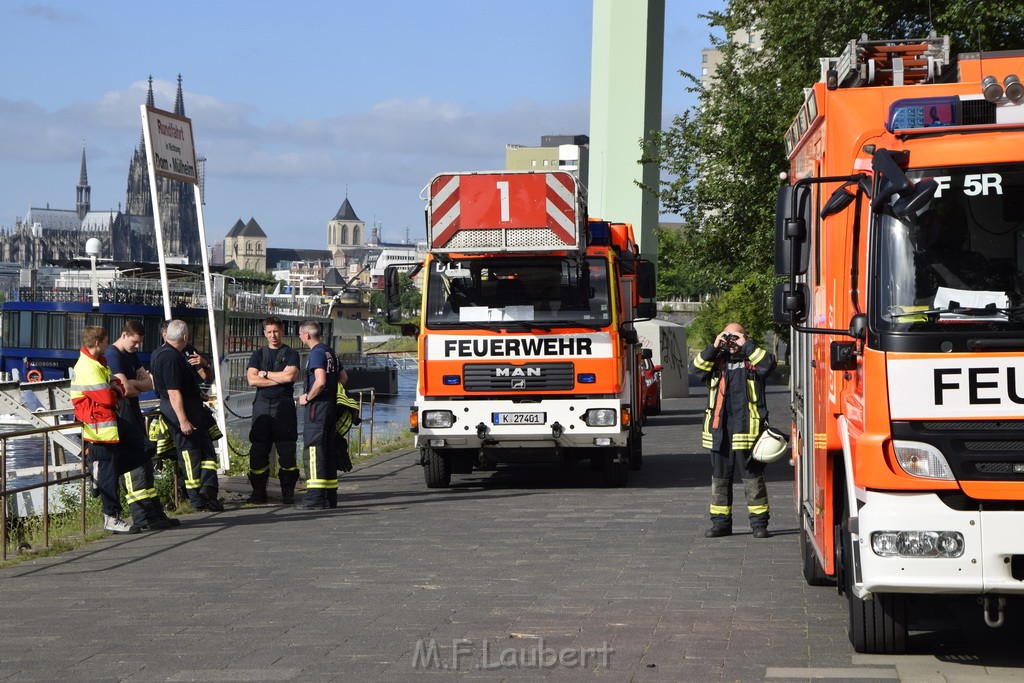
pixel 344 232
pixel 83 190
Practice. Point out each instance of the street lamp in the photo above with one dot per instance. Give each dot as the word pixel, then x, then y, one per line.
pixel 92 248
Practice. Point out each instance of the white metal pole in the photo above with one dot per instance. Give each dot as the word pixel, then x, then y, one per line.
pixel 211 308
pixel 95 285
pixel 151 166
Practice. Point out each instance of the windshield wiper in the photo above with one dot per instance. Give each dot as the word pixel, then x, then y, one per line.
pixel 956 309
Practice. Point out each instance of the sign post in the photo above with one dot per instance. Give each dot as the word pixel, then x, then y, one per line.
pixel 170 152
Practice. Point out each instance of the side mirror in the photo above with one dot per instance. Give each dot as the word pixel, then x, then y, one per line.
pixel 891 178
pixel 646 310
pixel 839 200
pixel 393 295
pixel 646 353
pixel 858 326
pixel 792 210
pixel 913 203
pixel 646 280
pixel 789 306
pixel 842 355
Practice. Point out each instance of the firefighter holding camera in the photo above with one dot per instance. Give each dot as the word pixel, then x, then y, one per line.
pixel 735 369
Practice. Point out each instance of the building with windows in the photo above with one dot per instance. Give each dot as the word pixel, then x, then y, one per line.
pixel 245 246
pixel 556 153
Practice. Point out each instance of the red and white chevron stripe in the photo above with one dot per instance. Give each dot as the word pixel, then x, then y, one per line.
pixel 506 201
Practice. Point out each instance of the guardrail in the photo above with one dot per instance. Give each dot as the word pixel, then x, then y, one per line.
pixel 63 471
pixel 359 428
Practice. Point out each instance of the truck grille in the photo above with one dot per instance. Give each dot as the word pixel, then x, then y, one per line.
pixel 506 377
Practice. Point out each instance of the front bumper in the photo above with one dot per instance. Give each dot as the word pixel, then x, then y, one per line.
pixel 563 425
pixel 993 547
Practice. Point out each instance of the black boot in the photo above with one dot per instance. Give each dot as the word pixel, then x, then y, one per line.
pixel 759 525
pixel 259 489
pixel 287 478
pixel 721 525
pixel 313 500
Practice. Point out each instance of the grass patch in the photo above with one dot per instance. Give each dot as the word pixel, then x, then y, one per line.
pixel 395 344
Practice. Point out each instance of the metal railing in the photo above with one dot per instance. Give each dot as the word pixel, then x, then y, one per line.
pixel 67 473
pixel 359 428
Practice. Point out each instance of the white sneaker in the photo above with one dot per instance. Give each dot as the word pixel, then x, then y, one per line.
pixel 115 524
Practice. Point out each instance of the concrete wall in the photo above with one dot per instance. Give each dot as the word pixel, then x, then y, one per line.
pixel 667 342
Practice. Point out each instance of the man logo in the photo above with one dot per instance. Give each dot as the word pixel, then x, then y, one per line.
pixel 517 372
pixel 519 384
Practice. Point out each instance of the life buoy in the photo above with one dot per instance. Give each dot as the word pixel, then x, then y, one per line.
pixel 34 376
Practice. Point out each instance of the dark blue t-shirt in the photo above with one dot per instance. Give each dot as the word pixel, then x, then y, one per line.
pixel 321 356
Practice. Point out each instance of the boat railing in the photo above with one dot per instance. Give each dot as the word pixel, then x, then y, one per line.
pixel 276 304
pixel 130 291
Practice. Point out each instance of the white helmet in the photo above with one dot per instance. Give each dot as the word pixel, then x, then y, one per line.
pixel 771 445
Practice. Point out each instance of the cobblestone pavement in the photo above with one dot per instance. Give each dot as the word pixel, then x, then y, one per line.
pixel 517 575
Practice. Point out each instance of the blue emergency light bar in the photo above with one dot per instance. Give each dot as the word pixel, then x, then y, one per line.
pixel 928 112
pixel 921 113
pixel 600 233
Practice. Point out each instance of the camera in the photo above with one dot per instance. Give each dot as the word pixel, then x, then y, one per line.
pixel 730 337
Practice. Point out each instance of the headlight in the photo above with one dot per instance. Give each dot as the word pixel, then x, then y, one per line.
pixel 921 460
pixel 917 543
pixel 649 380
pixel 600 417
pixel 438 419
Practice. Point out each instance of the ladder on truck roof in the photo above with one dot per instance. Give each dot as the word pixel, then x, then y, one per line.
pixel 908 61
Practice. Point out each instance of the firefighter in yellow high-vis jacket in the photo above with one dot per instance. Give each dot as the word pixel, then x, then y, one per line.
pixel 735 369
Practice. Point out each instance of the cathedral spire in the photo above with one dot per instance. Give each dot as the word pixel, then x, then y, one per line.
pixel 83 190
pixel 83 176
pixel 149 103
pixel 179 101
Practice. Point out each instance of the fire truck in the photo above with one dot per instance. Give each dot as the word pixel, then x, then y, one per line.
pixel 527 350
pixel 901 240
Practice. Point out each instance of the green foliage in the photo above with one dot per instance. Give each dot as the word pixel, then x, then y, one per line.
pixel 268 280
pixel 409 293
pixel 721 160
pixel 742 303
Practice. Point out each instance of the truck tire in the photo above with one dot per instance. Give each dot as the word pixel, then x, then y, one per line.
pixel 437 469
pixel 616 474
pixel 814 575
pixel 877 626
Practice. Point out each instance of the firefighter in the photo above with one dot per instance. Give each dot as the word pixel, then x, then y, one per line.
pixel 272 371
pixel 95 394
pixel 123 360
pixel 176 381
pixel 735 369
pixel 323 373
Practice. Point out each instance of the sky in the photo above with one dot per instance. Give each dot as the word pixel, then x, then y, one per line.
pixel 297 105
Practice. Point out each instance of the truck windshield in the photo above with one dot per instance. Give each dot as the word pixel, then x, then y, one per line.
pixel 961 262
pixel 541 291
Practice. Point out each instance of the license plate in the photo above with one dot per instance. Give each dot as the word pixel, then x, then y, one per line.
pixel 518 418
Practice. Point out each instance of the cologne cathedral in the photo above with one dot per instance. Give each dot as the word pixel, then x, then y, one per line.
pixel 48 235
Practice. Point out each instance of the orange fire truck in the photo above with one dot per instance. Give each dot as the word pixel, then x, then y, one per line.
pixel 527 351
pixel 901 235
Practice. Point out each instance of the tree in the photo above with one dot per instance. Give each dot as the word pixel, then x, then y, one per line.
pixel 721 159
pixel 252 275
